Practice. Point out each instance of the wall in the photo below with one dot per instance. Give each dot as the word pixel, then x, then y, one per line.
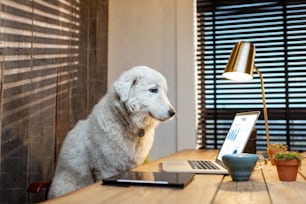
pixel 53 70
pixel 158 34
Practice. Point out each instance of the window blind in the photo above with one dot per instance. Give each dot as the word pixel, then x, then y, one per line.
pixel 277 29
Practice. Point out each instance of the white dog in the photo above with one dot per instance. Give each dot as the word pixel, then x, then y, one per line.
pixel 117 135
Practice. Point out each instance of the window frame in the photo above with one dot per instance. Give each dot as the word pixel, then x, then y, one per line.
pixel 213 122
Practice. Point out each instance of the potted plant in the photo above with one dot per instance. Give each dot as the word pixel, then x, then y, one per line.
pixel 287 164
pixel 273 148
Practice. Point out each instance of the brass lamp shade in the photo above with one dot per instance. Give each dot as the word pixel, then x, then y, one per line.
pixel 240 65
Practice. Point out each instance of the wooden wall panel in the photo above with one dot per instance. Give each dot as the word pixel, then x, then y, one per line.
pixel 53 70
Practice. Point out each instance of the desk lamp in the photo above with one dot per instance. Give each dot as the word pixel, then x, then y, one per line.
pixel 240 67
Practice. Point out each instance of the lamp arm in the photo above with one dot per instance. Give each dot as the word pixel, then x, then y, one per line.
pixel 264 105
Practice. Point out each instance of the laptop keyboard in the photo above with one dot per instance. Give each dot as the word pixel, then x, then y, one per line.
pixel 202 164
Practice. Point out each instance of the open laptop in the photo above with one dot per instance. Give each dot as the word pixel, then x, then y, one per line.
pixel 235 142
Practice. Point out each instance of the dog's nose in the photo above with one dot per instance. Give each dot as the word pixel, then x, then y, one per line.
pixel 171 112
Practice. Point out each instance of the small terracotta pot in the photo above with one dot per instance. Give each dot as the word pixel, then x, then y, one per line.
pixel 272 152
pixel 287 169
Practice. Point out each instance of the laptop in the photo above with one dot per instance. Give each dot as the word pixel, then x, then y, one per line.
pixel 234 143
pixel 161 179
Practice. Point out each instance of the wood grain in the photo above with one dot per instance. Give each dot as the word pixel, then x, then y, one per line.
pixel 53 71
pixel 263 187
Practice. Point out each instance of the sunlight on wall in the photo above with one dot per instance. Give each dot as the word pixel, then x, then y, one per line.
pixel 39 58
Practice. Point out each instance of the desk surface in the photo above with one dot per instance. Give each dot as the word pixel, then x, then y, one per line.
pixel 263 187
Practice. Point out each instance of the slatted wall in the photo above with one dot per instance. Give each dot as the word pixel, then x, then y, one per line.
pixel 53 69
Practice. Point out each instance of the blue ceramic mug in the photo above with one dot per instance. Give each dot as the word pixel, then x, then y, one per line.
pixel 240 166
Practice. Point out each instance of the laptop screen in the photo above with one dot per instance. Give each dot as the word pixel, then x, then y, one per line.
pixel 239 133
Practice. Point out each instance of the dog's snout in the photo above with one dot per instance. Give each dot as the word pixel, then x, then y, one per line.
pixel 171 112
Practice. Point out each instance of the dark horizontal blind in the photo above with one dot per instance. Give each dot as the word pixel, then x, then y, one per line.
pixel 277 29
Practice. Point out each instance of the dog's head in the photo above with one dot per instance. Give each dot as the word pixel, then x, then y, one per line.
pixel 143 91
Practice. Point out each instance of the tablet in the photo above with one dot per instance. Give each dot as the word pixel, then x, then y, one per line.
pixel 161 179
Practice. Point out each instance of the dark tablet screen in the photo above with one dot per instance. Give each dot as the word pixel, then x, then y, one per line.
pixel 166 179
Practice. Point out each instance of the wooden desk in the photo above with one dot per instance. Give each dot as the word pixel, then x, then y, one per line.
pixel 263 187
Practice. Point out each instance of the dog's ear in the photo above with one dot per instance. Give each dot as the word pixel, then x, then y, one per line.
pixel 123 87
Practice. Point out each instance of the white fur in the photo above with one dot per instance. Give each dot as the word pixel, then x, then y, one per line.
pixel 111 139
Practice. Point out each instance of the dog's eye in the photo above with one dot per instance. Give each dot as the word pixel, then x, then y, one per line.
pixel 153 90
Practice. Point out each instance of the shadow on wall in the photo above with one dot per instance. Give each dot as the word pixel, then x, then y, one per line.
pixel 48 82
